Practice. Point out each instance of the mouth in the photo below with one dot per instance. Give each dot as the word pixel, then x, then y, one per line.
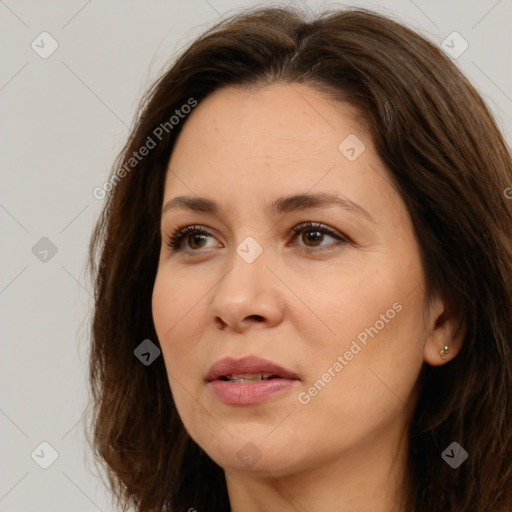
pixel 244 378
pixel 248 368
pixel 248 381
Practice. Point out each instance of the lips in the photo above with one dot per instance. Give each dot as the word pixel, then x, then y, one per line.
pixel 249 381
pixel 248 369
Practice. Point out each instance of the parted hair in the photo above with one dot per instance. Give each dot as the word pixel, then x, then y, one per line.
pixel 451 166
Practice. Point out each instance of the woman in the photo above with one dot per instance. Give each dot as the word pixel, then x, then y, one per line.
pixel 304 279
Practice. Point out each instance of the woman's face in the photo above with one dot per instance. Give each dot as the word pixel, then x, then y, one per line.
pixel 339 305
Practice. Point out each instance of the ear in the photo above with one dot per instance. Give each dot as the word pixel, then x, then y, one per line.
pixel 445 329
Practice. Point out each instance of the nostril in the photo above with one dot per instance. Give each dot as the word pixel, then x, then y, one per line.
pixel 219 322
pixel 257 317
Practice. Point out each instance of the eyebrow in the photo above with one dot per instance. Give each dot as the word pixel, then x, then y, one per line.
pixel 285 204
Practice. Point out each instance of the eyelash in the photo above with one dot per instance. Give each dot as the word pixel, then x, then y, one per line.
pixel 174 240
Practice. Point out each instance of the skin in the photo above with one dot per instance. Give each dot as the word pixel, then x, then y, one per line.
pixel 346 448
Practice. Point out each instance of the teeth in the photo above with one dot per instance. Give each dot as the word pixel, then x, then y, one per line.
pixel 240 378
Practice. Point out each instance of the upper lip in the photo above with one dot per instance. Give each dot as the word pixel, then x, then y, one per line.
pixel 248 364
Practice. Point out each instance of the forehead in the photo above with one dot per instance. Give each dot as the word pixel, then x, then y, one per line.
pixel 274 116
pixel 282 131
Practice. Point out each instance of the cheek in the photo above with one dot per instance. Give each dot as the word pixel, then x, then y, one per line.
pixel 357 396
pixel 375 326
pixel 170 304
pixel 352 300
pixel 175 311
pixel 163 306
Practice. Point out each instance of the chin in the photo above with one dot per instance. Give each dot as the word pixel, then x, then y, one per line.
pixel 254 454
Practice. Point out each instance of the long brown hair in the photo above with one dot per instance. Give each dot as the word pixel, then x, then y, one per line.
pixel 452 168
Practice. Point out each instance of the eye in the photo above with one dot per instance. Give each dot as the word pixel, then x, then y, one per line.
pixel 313 233
pixel 194 235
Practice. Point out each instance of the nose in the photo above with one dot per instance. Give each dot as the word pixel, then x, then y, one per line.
pixel 247 296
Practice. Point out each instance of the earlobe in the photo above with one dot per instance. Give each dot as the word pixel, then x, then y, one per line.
pixel 445 338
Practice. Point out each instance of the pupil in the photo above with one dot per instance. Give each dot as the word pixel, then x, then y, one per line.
pixel 195 238
pixel 311 236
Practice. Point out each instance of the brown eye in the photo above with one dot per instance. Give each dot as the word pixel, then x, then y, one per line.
pixel 194 236
pixel 196 239
pixel 312 236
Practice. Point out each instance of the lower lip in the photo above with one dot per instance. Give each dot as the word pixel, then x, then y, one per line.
pixel 251 393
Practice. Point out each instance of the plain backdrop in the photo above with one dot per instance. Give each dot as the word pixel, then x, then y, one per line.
pixel 63 119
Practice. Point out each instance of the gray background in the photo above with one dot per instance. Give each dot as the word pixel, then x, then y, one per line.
pixel 63 120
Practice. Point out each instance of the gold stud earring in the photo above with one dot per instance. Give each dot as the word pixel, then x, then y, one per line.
pixel 443 351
